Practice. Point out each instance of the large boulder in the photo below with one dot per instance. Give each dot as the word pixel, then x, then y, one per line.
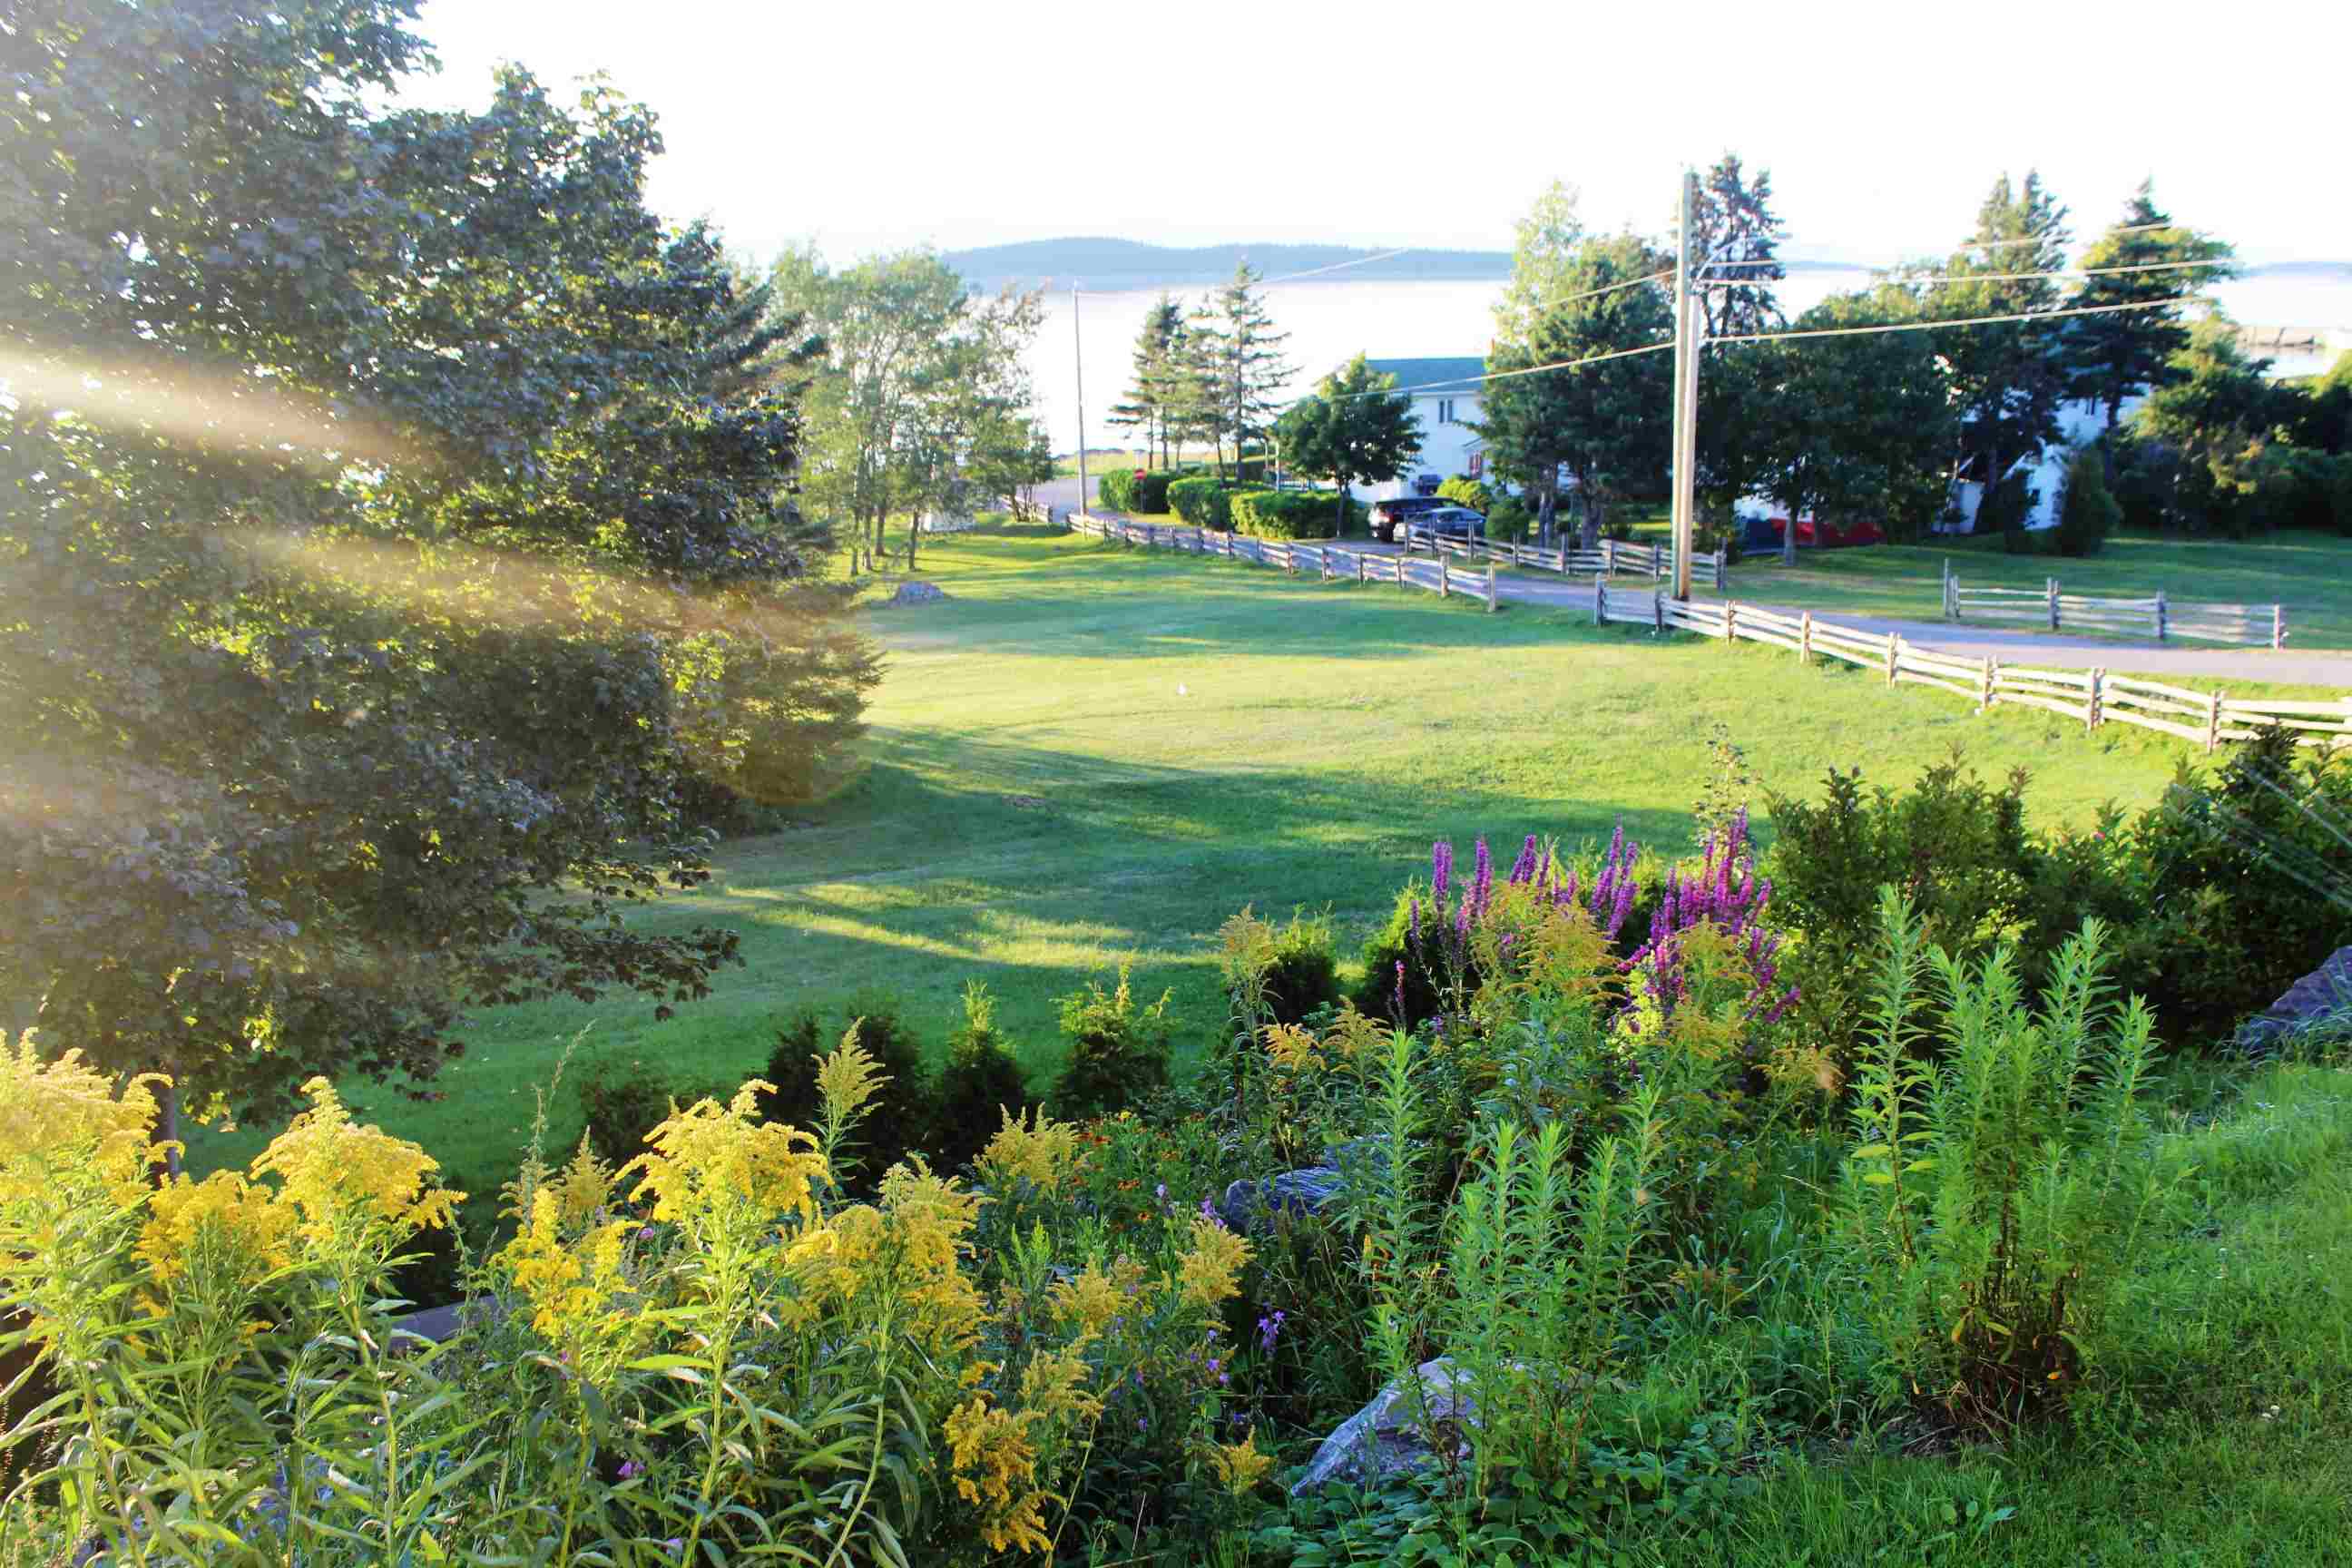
pixel 1391 1434
pixel 1249 1206
pixel 915 593
pixel 2323 992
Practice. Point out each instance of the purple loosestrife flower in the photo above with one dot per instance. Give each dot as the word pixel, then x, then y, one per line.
pixel 1482 882
pixel 1441 870
pixel 1523 870
pixel 1398 997
pixel 1413 916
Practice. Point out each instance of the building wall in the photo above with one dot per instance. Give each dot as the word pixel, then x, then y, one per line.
pixel 1444 445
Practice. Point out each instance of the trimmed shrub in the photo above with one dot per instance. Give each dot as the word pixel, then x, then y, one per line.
pixel 1284 514
pixel 1464 491
pixel 1202 503
pixel 1149 490
pixel 1116 489
pixel 980 1084
pixel 1302 972
pixel 899 1119
pixel 1510 521
pixel 1119 1052
pixel 2088 513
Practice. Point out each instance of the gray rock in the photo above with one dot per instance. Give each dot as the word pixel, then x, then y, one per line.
pixel 911 593
pixel 2325 993
pixel 1391 1436
pixel 1249 1206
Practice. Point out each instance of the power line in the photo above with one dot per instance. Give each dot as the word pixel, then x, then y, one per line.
pixel 1939 326
pixel 2044 239
pixel 1888 274
pixel 1508 374
pixel 1359 261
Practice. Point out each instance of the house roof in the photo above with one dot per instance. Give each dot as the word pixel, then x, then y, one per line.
pixel 1438 375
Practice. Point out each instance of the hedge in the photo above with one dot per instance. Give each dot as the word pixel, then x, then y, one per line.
pixel 1116 490
pixel 1464 491
pixel 1202 503
pixel 1150 492
pixel 1284 514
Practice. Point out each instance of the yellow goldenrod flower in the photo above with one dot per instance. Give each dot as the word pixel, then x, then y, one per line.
pixel 848 1078
pixel 1050 1386
pixel 708 1156
pixel 1092 1299
pixel 1039 1150
pixel 1292 1050
pixel 583 1187
pixel 64 1111
pixel 333 1172
pixel 996 1470
pixel 1209 1274
pixel 222 1223
pixel 1240 1466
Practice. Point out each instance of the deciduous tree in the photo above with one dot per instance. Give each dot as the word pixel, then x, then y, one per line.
pixel 1354 427
pixel 2112 357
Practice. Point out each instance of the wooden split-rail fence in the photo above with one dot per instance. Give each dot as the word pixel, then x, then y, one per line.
pixel 1609 559
pixel 2093 696
pixel 1328 561
pixel 2157 615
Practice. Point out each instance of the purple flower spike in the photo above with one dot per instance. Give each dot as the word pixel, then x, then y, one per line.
pixel 1398 1012
pixel 1441 870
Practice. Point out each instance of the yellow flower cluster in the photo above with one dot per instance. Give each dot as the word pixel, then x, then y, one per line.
pixel 848 1078
pixel 64 1110
pixel 582 1188
pixel 1039 1150
pixel 996 1471
pixel 229 1228
pixel 1092 1297
pixel 1292 1050
pixel 1209 1274
pixel 333 1172
pixel 708 1157
pixel 1240 1467
pixel 572 1290
pixel 909 1247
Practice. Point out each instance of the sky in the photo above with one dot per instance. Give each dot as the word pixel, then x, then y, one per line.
pixel 892 123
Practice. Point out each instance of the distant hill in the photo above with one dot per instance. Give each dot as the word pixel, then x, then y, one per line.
pixel 1105 265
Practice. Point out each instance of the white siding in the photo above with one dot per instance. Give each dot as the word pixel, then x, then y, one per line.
pixel 1444 444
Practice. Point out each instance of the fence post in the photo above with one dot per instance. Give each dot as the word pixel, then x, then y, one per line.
pixel 1657 562
pixel 1805 638
pixel 2050 587
pixel 2213 723
pixel 1984 690
pixel 1491 600
pixel 1444 579
pixel 1599 600
pixel 1609 558
pixel 1718 570
pixel 2090 706
pixel 1892 638
pixel 1658 607
pixel 1360 569
pixel 2278 626
pixel 2159 614
pixel 1730 623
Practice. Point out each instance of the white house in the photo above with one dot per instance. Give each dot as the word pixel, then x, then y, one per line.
pixel 1444 394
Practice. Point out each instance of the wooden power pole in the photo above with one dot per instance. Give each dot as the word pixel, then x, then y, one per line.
pixel 1687 352
pixel 1079 347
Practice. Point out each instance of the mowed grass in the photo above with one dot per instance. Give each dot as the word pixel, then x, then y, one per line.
pixel 1090 753
pixel 2309 574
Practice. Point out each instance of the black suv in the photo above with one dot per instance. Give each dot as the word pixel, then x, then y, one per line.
pixel 1390 516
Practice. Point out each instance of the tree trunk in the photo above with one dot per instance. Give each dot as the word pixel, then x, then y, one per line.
pixel 1588 536
pixel 1339 523
pixel 1546 494
pixel 914 535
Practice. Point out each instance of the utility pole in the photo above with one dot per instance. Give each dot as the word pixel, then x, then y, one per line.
pixel 1687 350
pixel 1078 346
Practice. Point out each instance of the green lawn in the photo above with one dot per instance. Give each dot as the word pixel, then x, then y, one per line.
pixel 2310 574
pixel 1089 751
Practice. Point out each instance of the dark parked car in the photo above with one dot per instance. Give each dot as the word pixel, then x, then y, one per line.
pixel 1451 522
pixel 1387 515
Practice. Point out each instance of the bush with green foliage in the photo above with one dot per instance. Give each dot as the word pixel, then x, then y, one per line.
pixel 1202 501
pixel 1149 490
pixel 1119 1052
pixel 624 1096
pixel 902 1115
pixel 1464 491
pixel 1285 515
pixel 1115 491
pixel 2002 1179
pixel 979 1085
pixel 1509 522
pixel 2088 513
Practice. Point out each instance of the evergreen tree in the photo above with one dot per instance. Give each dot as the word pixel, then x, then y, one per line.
pixel 1861 422
pixel 1243 353
pixel 1156 375
pixel 1735 236
pixel 1355 426
pixel 2111 357
pixel 2008 377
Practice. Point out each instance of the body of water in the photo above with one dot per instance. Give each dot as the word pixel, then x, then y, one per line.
pixel 1329 321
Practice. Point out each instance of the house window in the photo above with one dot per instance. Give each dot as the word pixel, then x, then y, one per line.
pixel 1477 465
pixel 1445 411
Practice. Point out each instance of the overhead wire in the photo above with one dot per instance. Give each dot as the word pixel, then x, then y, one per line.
pixel 1939 326
pixel 1889 275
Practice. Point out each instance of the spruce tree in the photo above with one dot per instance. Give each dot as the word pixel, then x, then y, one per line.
pixel 2111 357
pixel 1146 405
pixel 2009 377
pixel 1245 354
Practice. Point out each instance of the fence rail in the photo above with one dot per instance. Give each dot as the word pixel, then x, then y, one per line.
pixel 2156 615
pixel 2094 697
pixel 1612 557
pixel 1328 561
